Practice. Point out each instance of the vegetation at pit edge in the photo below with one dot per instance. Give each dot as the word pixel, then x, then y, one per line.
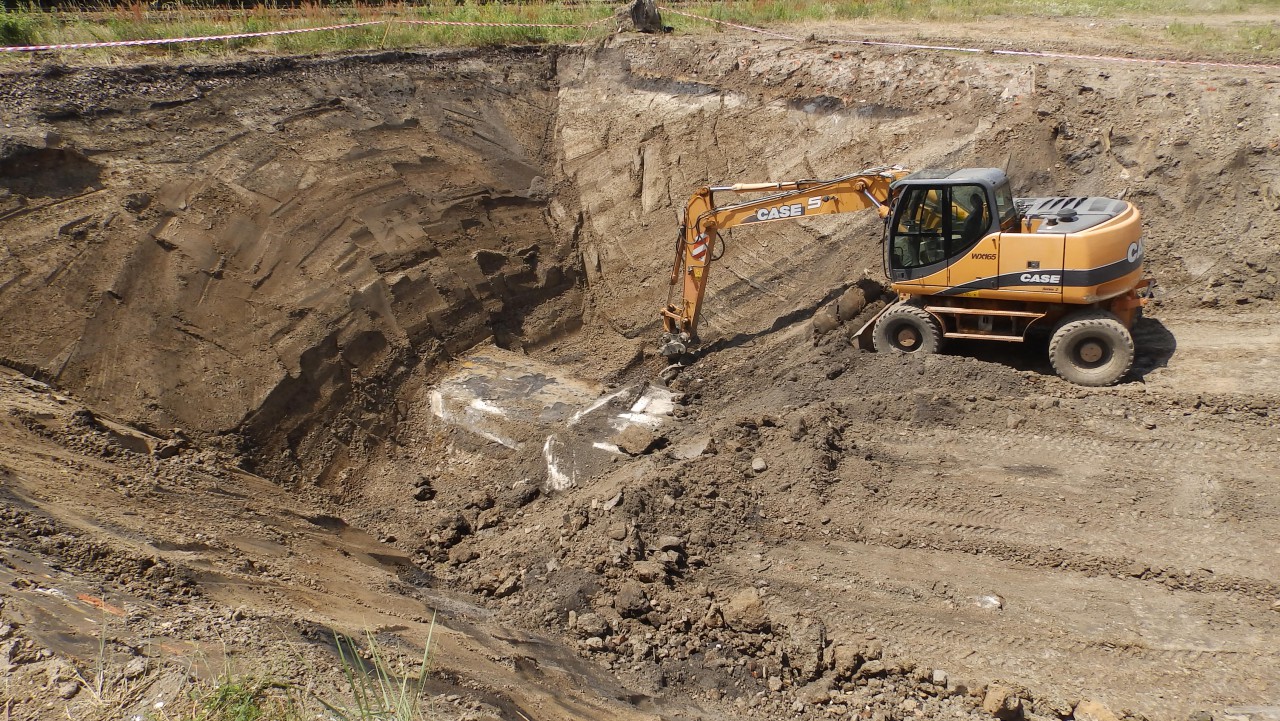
pixel 156 20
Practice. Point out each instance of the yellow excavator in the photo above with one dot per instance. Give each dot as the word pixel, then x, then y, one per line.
pixel 966 258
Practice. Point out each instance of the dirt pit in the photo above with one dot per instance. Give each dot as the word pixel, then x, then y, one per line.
pixel 305 346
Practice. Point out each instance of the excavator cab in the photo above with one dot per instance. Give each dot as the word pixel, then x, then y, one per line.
pixel 940 216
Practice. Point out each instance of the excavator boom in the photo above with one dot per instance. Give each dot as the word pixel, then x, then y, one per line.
pixel 698 238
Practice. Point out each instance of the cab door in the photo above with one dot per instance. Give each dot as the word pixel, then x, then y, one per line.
pixel 918 239
pixel 1031 264
pixel 974 240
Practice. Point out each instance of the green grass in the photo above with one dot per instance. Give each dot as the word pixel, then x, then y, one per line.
pixel 138 21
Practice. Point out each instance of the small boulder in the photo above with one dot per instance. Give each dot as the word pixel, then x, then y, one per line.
pixel 1091 710
pixel 744 611
pixel 1002 702
pixel 631 600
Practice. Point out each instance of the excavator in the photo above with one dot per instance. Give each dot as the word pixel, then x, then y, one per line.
pixel 965 257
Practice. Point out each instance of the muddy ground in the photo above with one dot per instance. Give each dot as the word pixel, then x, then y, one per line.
pixel 241 301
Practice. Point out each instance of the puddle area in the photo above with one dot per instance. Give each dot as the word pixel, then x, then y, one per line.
pixel 525 404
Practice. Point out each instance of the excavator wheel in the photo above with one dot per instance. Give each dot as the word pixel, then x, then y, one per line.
pixel 907 329
pixel 1091 348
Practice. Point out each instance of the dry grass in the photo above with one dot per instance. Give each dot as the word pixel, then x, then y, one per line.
pixel 173 18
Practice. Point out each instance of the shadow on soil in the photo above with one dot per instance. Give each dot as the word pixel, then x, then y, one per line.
pixel 1155 345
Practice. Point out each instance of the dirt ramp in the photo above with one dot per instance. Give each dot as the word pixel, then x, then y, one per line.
pixel 281 250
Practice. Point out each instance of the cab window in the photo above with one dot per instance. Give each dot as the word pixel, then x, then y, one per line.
pixel 919 237
pixel 1007 210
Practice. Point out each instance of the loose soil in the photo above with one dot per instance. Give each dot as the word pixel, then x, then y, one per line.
pixel 230 290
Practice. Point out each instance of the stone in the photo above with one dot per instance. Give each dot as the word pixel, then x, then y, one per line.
pixel 1002 702
pixel 834 371
pixel 508 586
pixel 775 683
pixel 759 465
pixel 670 543
pixel 939 678
pixel 806 639
pixel 826 320
pixel 630 600
pixel 135 668
pixel 818 692
pixel 591 624
pixel 851 303
pixel 744 611
pixel 1091 710
pixel 68 689
pixel 459 555
pixel 636 440
pixel 650 571
pixel 1014 421
pixel 845 661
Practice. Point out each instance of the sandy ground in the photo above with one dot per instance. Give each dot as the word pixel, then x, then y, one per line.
pixel 239 298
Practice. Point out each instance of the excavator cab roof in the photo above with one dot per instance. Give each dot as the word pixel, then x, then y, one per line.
pixel 988 177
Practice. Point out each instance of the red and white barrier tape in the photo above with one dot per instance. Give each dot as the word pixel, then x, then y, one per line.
pixel 164 41
pixel 1156 61
pixel 1020 53
pixel 729 24
pixel 501 25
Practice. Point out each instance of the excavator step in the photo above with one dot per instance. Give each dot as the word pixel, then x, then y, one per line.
pixel 983 311
pixel 984 336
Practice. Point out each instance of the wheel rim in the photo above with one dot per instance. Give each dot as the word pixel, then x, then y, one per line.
pixel 1092 352
pixel 906 337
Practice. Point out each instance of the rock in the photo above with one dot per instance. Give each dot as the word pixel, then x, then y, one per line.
pixel 1002 702
pixel 670 543
pixel 136 202
pixel 508 586
pixel 636 440
pixel 871 669
pixel 798 427
pixel 640 16
pixel 591 624
pixel 488 519
pixel 775 683
pixel 818 692
pixel 631 600
pixel 851 303
pixel 758 465
pixel 135 668
pixel 68 689
pixel 1091 710
pixel 834 371
pixel 617 531
pixel 845 661
pixel 825 320
pixel 1014 421
pixel 169 448
pixel 806 639
pixel 649 571
pixel 458 555
pixel 744 611
pixel 939 678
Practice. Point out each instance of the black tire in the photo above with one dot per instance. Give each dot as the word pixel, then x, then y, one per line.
pixel 907 329
pixel 1091 348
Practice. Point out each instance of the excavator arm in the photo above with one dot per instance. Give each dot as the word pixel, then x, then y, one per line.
pixel 698 238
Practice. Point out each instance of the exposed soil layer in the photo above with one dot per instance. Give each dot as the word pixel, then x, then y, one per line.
pixel 230 292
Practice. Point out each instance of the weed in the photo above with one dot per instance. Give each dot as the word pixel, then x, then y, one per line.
pixel 380 690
